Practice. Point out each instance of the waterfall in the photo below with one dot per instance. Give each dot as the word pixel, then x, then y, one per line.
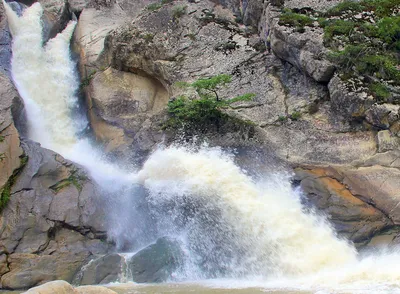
pixel 232 226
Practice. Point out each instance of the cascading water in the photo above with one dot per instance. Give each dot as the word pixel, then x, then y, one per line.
pixel 230 225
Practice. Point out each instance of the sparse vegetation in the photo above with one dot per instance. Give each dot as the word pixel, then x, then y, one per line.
pixel 2 138
pixel 282 118
pixel 364 37
pixel 346 6
pixel 296 115
pixel 86 81
pixel 6 191
pixel 156 6
pixel 179 11
pixel 380 91
pixel 295 19
pixel 337 27
pixel 73 179
pixel 205 111
pixel 147 37
pixel 191 36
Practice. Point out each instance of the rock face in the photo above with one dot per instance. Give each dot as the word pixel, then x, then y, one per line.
pixel 10 150
pixel 354 214
pixel 123 106
pixel 303 112
pixel 51 222
pixel 304 50
pixel 106 269
pixel 157 262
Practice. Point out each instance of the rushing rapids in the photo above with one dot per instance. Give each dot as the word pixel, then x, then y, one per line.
pixel 230 226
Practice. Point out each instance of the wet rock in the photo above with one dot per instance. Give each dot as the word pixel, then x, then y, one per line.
pixel 352 217
pixel 55 18
pixel 157 262
pixel 106 269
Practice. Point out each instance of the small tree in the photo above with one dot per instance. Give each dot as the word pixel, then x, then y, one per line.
pixel 205 111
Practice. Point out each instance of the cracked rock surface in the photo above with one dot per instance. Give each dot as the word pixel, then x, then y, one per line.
pixel 52 223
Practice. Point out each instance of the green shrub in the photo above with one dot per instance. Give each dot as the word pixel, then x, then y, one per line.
pixel 178 11
pixel 296 20
pixel 380 91
pixel 147 37
pixel 346 6
pixel 383 66
pixel 158 5
pixel 381 8
pixel 348 58
pixel 389 29
pixel 296 115
pixel 206 111
pixel 154 6
pixel 337 27
pixel 73 179
pixel 282 118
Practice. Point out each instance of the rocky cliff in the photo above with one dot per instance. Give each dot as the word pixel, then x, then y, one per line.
pixel 340 137
pixel 303 113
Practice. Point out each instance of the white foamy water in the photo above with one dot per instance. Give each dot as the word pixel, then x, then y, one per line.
pixel 255 233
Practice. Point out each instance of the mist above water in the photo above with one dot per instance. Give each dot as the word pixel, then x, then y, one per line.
pixel 230 225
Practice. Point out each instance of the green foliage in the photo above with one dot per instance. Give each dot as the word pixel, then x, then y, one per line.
pixel 348 58
pixel 158 5
pixel 6 191
pixel 365 46
pixel 2 138
pixel 206 111
pixel 389 29
pixel 380 91
pixel 147 37
pixel 178 11
pixel 337 27
pixel 73 179
pixel 86 81
pixel 2 156
pixel 296 115
pixel 282 118
pixel 203 86
pixel 297 20
pixel 154 6
pixel 383 66
pixel 346 6
pixel 381 8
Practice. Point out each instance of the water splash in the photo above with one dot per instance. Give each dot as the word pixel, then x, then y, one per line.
pixel 231 225
pixel 46 80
